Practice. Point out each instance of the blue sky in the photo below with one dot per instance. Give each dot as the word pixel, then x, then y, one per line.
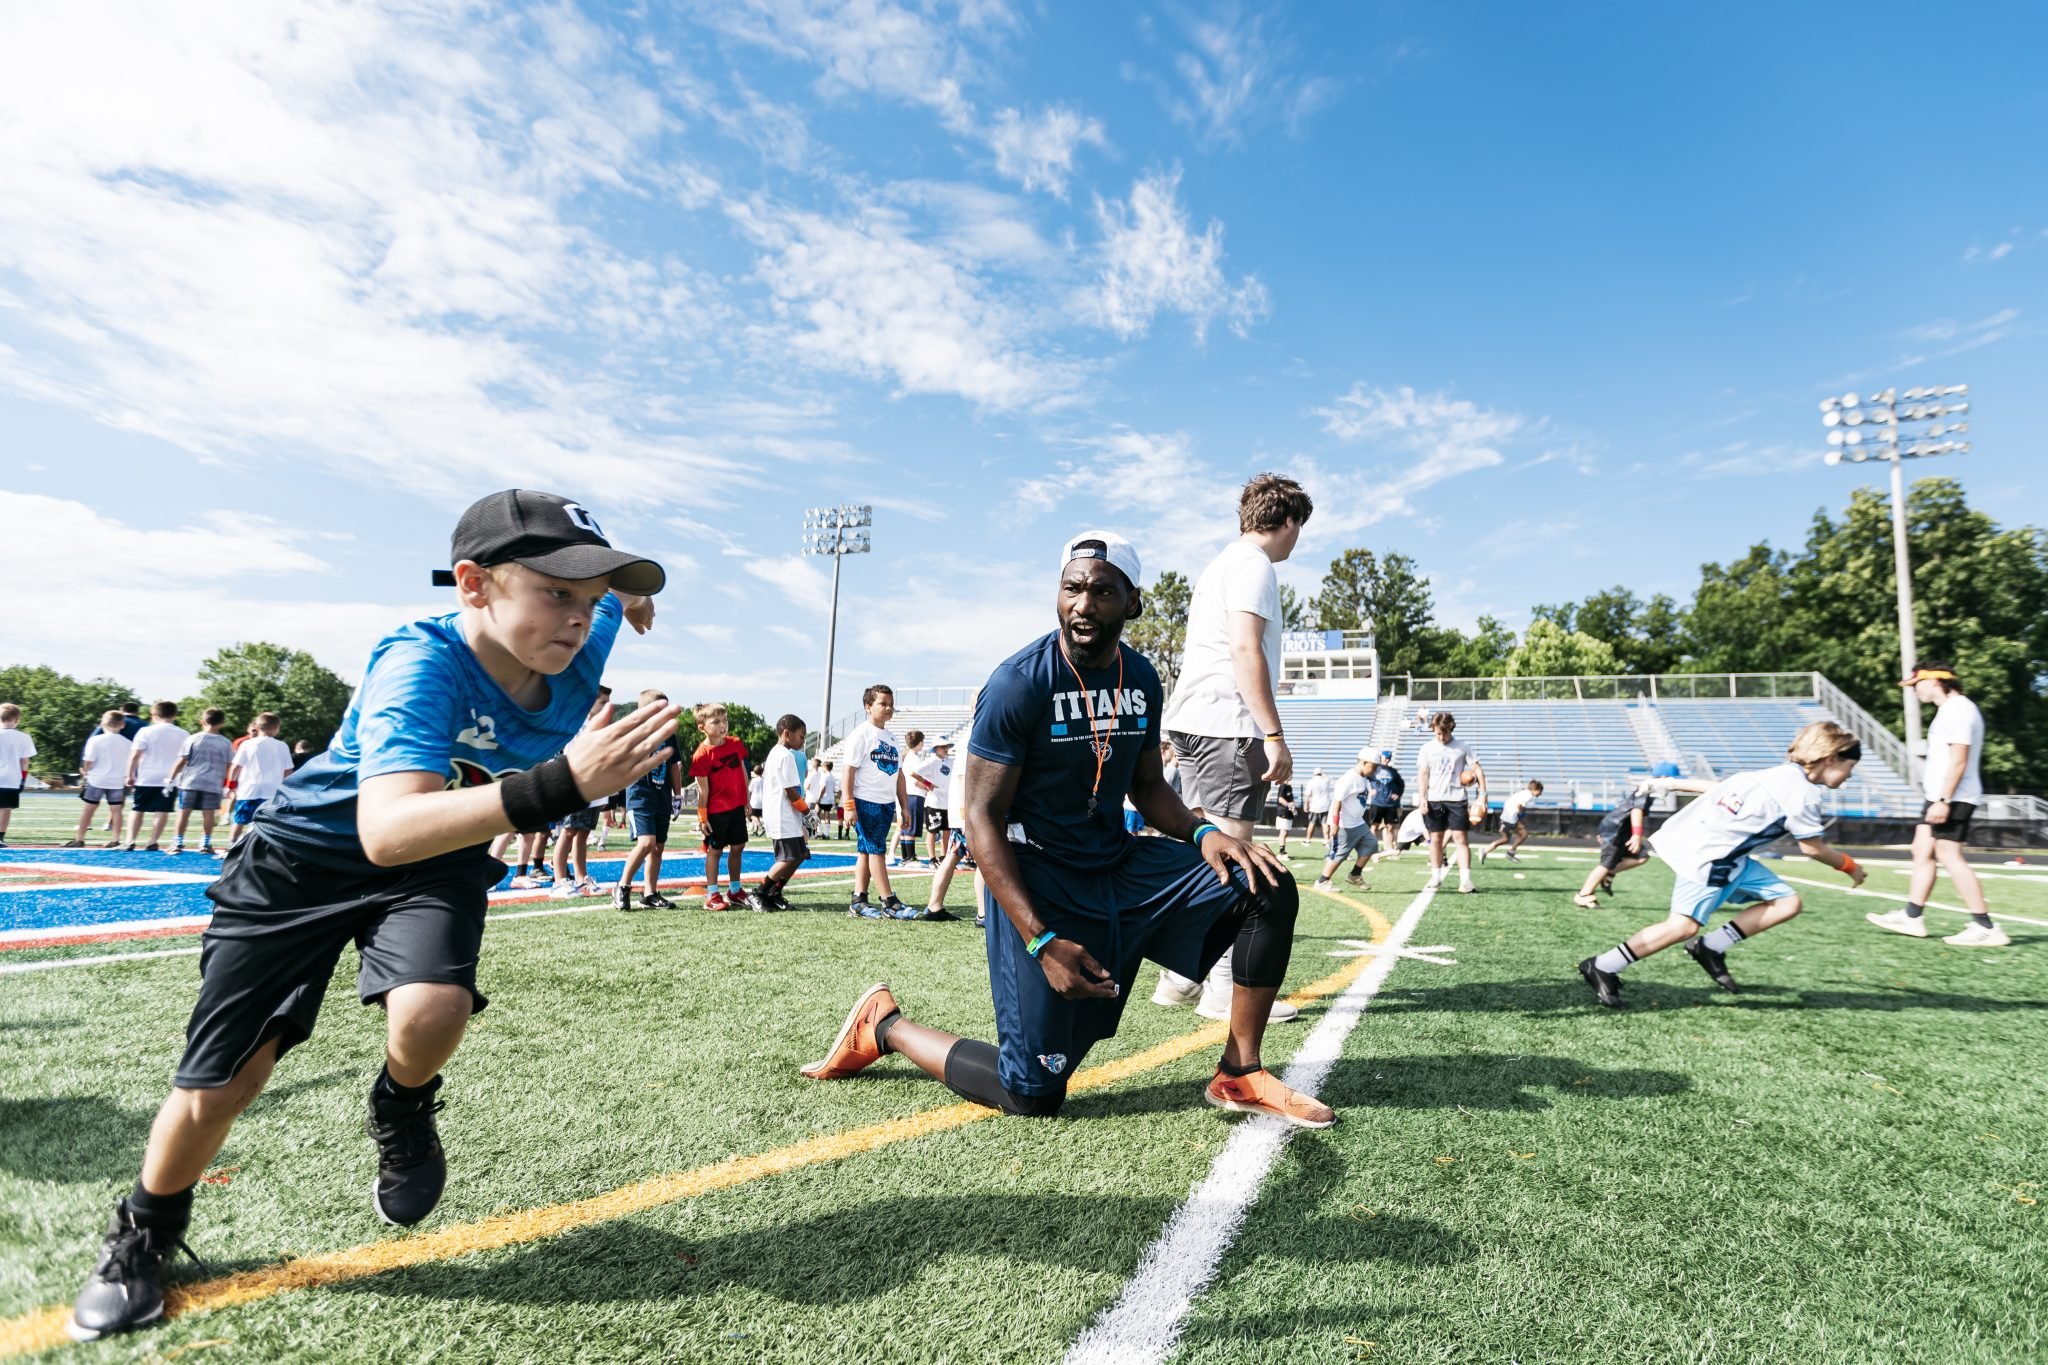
pixel 1543 297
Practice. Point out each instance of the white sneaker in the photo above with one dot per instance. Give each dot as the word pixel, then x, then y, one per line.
pixel 567 891
pixel 1466 888
pixel 523 884
pixel 586 887
pixel 1216 1005
pixel 1977 936
pixel 1324 884
pixel 1173 988
pixel 1899 922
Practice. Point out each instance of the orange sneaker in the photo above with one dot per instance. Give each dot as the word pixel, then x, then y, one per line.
pixel 1262 1093
pixel 855 1049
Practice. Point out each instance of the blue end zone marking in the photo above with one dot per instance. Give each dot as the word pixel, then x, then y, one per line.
pixel 83 907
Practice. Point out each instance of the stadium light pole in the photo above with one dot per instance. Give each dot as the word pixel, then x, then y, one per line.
pixel 1896 427
pixel 838 532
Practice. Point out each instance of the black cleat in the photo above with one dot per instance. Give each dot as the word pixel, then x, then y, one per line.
pixel 411 1169
pixel 767 898
pixel 622 898
pixel 938 912
pixel 1712 963
pixel 125 1290
pixel 1606 985
pixel 654 900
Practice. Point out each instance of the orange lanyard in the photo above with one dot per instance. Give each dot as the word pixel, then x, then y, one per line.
pixel 1095 741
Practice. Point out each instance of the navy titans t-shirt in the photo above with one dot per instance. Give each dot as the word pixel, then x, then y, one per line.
pixel 1033 716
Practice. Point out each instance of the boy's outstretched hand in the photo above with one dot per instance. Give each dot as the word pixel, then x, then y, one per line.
pixel 610 754
pixel 639 611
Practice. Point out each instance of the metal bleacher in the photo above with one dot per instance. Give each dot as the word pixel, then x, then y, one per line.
pixel 1584 752
pixel 1734 735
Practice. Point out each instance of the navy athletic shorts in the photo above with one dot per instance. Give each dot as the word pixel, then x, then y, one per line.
pixel 648 820
pixel 1159 904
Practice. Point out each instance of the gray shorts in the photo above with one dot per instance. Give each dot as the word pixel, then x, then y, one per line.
pixel 1222 775
pixel 1358 839
pixel 113 796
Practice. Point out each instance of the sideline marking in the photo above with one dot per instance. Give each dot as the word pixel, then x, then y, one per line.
pixel 1144 1324
pixel 1901 900
pixel 41 1329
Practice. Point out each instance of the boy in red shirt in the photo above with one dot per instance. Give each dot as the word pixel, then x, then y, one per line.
pixel 721 768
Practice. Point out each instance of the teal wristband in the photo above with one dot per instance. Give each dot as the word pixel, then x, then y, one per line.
pixel 1196 837
pixel 1039 942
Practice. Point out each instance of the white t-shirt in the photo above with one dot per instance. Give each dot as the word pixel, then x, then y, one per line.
pixel 779 819
pixel 159 743
pixel 16 748
pixel 1205 700
pixel 1734 816
pixel 754 785
pixel 1347 800
pixel 1316 791
pixel 1412 828
pixel 1511 809
pixel 1445 764
pixel 106 758
pixel 1958 721
pixel 874 757
pixel 814 783
pixel 260 767
pixel 939 772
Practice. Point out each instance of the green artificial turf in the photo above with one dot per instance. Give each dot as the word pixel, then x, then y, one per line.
pixel 1821 1168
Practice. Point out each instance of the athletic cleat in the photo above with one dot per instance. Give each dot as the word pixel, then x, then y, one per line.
pixel 1607 886
pixel 739 900
pixel 716 901
pixel 1977 936
pixel 938 913
pixel 1466 888
pixel 170 852
pixel 1355 880
pixel 1216 1005
pixel 1483 854
pixel 622 898
pixel 1899 922
pixel 72 843
pixel 860 908
pixel 1606 985
pixel 1712 963
pixel 855 1049
pixel 125 1290
pixel 1585 902
pixel 522 883
pixel 896 909
pixel 565 891
pixel 980 920
pixel 152 848
pixel 1323 884
pixel 1512 856
pixel 1173 988
pixel 586 887
pixel 654 900
pixel 411 1169
pixel 1262 1093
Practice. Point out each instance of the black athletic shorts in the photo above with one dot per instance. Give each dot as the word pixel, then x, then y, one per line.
pixel 1957 826
pixel 152 800
pixel 1613 852
pixel 792 850
pixel 728 828
pixel 279 924
pixel 1447 815
pixel 10 798
pixel 936 819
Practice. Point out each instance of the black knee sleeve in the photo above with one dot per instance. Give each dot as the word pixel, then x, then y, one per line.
pixel 971 1074
pixel 1265 934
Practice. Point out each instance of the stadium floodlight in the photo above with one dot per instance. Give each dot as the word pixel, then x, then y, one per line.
pixel 1863 429
pixel 838 532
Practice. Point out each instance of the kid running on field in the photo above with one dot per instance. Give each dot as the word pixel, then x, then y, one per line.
pixel 201 772
pixel 720 767
pixel 379 841
pixel 874 796
pixel 1511 832
pixel 650 806
pixel 1351 833
pixel 105 763
pixel 787 818
pixel 1623 830
pixel 1708 847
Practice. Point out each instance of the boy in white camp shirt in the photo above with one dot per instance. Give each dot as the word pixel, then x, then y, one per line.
pixel 876 794
pixel 1444 768
pixel 151 762
pixel 1708 847
pixel 106 777
pixel 16 749
pixel 258 769
pixel 786 815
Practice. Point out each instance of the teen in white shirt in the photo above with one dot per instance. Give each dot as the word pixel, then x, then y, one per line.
pixel 258 769
pixel 1442 766
pixel 150 764
pixel 105 761
pixel 16 749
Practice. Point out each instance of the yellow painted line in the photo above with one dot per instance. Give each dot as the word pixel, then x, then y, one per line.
pixel 44 1328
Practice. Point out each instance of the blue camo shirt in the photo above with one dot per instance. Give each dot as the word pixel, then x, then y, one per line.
pixel 1032 715
pixel 427 705
pixel 652 788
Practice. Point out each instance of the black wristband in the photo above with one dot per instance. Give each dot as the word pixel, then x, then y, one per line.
pixel 541 795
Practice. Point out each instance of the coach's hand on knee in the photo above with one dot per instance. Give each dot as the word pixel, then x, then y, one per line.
pixel 613 753
pixel 1221 852
pixel 1073 971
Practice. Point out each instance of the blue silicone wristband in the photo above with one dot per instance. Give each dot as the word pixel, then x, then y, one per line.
pixel 1040 942
pixel 1196 837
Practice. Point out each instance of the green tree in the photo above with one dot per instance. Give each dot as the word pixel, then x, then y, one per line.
pixel 1451 653
pixel 1295 614
pixel 249 678
pixel 1161 633
pixel 1646 637
pixel 1549 650
pixel 59 712
pixel 1363 591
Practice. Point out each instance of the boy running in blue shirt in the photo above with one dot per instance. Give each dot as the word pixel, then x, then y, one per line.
pixel 381 841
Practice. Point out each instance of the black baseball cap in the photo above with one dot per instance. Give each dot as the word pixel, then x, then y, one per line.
pixel 549 535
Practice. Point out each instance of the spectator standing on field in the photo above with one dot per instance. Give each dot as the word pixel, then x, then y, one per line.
pixel 1222 718
pixel 105 763
pixel 1315 797
pixel 875 792
pixel 915 790
pixel 16 749
pixel 131 720
pixel 151 762
pixel 200 775
pixel 1384 789
pixel 1954 788
pixel 722 772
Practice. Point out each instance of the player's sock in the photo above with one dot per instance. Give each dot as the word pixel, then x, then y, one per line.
pixel 882 1028
pixel 519 871
pixel 161 1210
pixel 1227 1069
pixel 1982 921
pixel 388 1089
pixel 1615 958
pixel 732 882
pixel 1723 938
pixel 1914 911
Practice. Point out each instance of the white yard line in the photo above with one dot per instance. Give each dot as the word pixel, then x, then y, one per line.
pixel 1901 900
pixel 1144 1325
pixel 53 963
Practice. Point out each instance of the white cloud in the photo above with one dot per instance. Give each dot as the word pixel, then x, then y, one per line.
pixel 1969 336
pixel 1037 151
pixel 1176 508
pixel 1446 437
pixel 799 579
pixel 1749 460
pixel 1151 261
pixel 289 230
pixel 1237 70
pixel 223 545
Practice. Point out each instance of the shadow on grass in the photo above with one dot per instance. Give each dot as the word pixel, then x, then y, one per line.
pixel 1567 994
pixel 865 1251
pixel 1469 1081
pixel 73 1139
pixel 37 1025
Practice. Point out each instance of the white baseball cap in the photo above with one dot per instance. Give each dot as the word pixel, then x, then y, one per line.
pixel 1120 554
pixel 943 742
pixel 1366 755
